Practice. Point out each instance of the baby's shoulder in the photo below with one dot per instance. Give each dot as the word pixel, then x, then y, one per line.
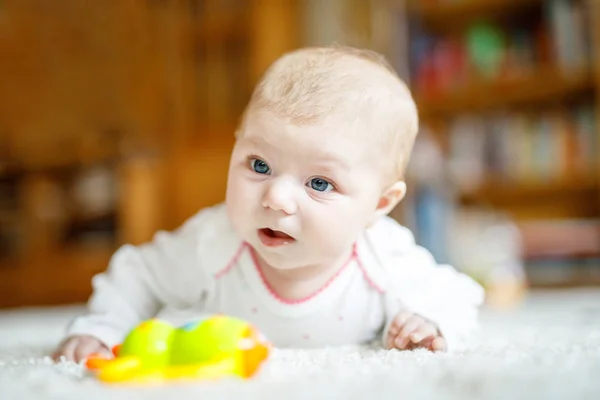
pixel 381 246
pixel 388 235
pixel 211 222
pixel 216 240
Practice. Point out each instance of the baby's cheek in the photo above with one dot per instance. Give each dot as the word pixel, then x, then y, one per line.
pixel 239 191
pixel 237 210
pixel 333 233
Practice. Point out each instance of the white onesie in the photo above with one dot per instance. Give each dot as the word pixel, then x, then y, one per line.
pixel 205 268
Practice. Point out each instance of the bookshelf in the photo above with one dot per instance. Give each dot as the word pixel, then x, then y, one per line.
pixel 500 192
pixel 532 88
pixel 133 136
pixel 447 13
pixel 509 91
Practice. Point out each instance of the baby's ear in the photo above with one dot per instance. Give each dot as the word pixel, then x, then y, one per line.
pixel 390 198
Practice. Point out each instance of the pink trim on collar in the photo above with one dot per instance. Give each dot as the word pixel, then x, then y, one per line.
pixel 232 262
pixel 367 277
pixel 307 298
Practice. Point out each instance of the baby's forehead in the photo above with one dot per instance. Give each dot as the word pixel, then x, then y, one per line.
pixel 265 125
pixel 335 141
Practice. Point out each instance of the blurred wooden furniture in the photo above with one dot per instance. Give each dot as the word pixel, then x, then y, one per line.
pixel 116 120
pixel 544 86
pixel 554 82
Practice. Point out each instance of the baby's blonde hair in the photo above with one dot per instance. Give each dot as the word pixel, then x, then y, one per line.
pixel 312 85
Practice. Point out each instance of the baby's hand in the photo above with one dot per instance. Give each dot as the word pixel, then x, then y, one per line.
pixel 409 331
pixel 77 348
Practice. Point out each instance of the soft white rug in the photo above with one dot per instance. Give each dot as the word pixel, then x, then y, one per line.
pixel 549 349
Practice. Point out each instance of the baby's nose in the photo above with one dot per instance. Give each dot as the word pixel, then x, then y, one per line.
pixel 280 196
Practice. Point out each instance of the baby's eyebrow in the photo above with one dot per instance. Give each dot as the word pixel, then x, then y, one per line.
pixel 256 141
pixel 328 161
pixel 319 158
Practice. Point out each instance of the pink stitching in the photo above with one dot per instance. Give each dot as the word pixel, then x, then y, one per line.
pixel 231 263
pixel 307 298
pixel 367 277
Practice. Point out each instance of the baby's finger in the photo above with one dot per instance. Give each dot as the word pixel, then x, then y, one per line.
pixel 85 348
pixel 66 350
pixel 423 332
pixel 426 343
pixel 403 337
pixel 411 325
pixel 396 325
pixel 399 321
pixel 438 344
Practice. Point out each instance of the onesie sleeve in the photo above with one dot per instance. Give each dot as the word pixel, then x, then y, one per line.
pixel 141 279
pixel 417 283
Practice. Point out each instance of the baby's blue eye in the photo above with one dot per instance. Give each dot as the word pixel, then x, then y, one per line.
pixel 320 185
pixel 259 166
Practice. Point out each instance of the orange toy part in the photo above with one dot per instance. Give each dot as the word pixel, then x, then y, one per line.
pixel 96 361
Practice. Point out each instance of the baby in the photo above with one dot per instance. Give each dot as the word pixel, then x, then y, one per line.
pixel 302 247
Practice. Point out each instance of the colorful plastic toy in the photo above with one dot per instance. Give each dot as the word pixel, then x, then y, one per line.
pixel 155 352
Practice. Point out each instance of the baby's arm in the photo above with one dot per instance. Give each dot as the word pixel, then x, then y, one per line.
pixel 425 298
pixel 138 282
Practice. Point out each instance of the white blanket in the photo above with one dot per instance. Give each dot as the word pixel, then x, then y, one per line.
pixel 549 349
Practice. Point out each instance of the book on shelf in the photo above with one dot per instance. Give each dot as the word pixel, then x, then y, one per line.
pixel 489 51
pixel 561 238
pixel 536 147
pixel 565 251
pixel 569 28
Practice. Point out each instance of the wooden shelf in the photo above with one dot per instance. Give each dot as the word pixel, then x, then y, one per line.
pixel 567 276
pixel 544 85
pixel 568 284
pixel 448 13
pixel 58 277
pixel 219 28
pixel 65 163
pixel 495 191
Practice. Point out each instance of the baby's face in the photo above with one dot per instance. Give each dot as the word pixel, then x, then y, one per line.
pixel 300 195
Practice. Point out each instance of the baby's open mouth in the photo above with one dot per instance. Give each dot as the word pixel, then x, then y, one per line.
pixel 271 237
pixel 276 234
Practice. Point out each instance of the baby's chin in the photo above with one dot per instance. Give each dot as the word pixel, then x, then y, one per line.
pixel 284 258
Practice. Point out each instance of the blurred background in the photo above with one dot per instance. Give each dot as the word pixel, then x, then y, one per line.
pixel 117 118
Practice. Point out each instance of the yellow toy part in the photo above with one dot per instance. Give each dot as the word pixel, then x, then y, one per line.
pixel 155 352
